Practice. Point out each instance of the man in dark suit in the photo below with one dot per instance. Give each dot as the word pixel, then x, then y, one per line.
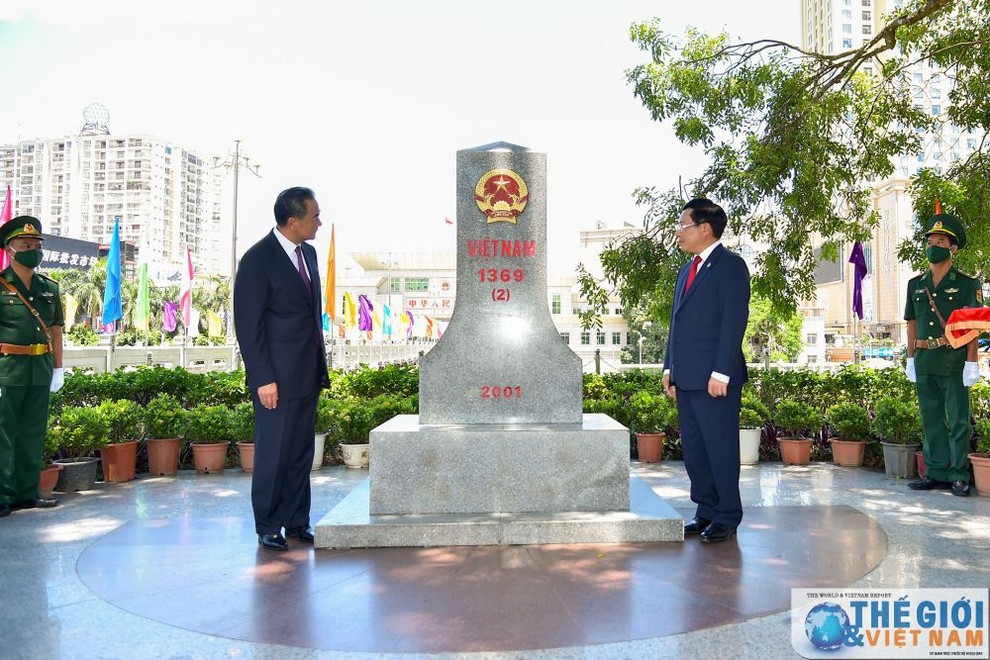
pixel 277 316
pixel 704 368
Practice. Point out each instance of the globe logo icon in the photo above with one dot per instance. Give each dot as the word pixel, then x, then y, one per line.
pixel 826 625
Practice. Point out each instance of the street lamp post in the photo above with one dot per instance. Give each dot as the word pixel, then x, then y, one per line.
pixel 234 162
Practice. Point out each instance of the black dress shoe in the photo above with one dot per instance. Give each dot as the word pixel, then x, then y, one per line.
pixel 38 503
pixel 304 534
pixel 273 541
pixel 927 483
pixel 717 532
pixel 960 488
pixel 4 510
pixel 696 525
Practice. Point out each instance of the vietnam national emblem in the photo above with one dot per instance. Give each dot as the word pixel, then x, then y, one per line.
pixel 501 195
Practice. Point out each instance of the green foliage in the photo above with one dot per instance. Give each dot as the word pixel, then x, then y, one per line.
pixel 982 435
pixel 794 140
pixel 208 424
pixel 400 380
pixel 796 419
pixel 897 421
pixel 83 335
pixel 850 421
pixel 80 431
pixel 242 422
pixel 767 332
pixel 651 413
pixel 749 418
pixel 123 418
pixel 324 414
pixel 164 417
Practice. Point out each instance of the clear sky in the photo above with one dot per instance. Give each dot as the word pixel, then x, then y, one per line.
pixel 367 102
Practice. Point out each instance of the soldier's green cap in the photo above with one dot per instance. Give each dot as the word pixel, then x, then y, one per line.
pixel 949 225
pixel 22 225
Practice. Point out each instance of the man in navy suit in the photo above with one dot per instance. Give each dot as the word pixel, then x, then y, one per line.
pixel 277 316
pixel 704 368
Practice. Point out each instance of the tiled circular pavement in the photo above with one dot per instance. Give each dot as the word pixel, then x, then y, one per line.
pixel 201 574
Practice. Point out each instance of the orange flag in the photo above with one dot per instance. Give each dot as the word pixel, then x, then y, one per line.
pixel 938 207
pixel 329 307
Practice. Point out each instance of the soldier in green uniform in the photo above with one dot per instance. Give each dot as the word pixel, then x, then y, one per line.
pixel 942 374
pixel 31 320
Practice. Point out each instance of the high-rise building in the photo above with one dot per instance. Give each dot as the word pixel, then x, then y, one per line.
pixel 833 26
pixel 164 195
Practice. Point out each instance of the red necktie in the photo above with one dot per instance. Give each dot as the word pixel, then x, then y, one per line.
pixel 692 273
pixel 302 269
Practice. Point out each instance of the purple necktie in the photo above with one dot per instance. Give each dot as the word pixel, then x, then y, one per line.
pixel 302 269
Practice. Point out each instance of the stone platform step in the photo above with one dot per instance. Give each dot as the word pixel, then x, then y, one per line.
pixel 350 525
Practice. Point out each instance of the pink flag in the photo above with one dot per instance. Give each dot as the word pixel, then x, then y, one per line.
pixel 185 293
pixel 5 215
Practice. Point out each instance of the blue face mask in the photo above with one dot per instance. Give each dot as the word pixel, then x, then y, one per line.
pixel 937 254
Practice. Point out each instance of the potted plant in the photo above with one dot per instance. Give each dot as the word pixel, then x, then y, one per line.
pixel 649 417
pixel 851 424
pixel 981 458
pixel 164 424
pixel 796 422
pixel 898 423
pixel 353 422
pixel 752 416
pixel 242 420
pixel 325 410
pixel 124 429
pixel 82 431
pixel 209 429
pixel 48 478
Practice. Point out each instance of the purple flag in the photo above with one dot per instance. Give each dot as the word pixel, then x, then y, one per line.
pixel 412 322
pixel 170 313
pixel 364 313
pixel 859 260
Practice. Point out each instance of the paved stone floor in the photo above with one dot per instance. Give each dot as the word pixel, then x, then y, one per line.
pixel 170 568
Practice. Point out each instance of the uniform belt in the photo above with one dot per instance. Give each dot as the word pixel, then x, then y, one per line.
pixel 23 349
pixel 931 343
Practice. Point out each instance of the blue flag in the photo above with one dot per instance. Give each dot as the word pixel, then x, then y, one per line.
pixel 111 294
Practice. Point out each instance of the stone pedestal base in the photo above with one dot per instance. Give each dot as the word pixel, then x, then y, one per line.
pixel 649 519
pixel 486 484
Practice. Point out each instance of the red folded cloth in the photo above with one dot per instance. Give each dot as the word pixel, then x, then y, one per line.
pixel 965 325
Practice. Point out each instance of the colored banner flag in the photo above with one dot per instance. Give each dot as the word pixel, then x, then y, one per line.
pixel 938 207
pixel 429 327
pixel 858 259
pixel 71 306
pixel 376 321
pixel 214 324
pixel 112 308
pixel 412 322
pixel 386 320
pixel 170 315
pixel 185 291
pixel 142 308
pixel 193 327
pixel 350 312
pixel 5 215
pixel 330 308
pixel 364 313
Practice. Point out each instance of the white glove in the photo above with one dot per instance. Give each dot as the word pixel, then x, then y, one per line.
pixel 909 370
pixel 58 379
pixel 971 373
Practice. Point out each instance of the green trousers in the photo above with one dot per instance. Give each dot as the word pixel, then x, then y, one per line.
pixel 944 402
pixel 23 423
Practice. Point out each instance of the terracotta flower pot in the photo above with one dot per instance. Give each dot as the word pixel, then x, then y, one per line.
pixel 981 472
pixel 848 453
pixel 210 458
pixel 119 460
pixel 795 451
pixel 163 456
pixel 246 451
pixel 649 446
pixel 48 480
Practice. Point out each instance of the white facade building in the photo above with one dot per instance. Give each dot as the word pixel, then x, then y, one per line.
pixel 164 195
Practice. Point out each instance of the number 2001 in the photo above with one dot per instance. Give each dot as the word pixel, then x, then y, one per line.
pixel 496 392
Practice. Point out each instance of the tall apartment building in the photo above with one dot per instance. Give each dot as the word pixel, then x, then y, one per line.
pixel 832 26
pixel 164 195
